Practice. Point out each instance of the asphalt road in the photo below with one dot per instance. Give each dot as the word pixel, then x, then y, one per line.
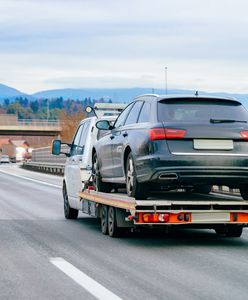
pixel 187 264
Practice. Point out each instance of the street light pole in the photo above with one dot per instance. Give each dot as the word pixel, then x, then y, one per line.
pixel 165 80
pixel 48 112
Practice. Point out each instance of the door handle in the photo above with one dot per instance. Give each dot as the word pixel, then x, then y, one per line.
pixel 125 134
pixel 112 137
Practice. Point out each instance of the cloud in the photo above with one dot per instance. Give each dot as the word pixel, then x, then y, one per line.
pixel 59 43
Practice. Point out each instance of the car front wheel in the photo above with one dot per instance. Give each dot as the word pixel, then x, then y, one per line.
pixel 99 185
pixel 70 213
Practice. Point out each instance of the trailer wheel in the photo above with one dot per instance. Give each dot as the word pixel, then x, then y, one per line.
pixel 234 231
pixel 134 188
pixel 100 186
pixel 230 231
pixel 104 220
pixel 70 213
pixel 113 229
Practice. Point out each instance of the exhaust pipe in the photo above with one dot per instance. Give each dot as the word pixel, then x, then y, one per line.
pixel 168 176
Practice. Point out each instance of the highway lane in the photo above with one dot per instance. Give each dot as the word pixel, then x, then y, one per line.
pixel 187 264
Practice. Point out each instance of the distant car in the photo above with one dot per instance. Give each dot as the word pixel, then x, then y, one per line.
pixel 4 159
pixel 169 142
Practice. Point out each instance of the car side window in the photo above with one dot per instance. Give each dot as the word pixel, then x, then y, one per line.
pixel 134 113
pixel 82 142
pixel 76 141
pixel 145 113
pixel 122 117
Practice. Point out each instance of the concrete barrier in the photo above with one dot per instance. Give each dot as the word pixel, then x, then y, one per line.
pixel 44 161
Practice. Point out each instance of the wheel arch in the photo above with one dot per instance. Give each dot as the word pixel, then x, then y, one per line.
pixel 125 155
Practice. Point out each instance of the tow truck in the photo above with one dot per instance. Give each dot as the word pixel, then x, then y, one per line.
pixel 226 214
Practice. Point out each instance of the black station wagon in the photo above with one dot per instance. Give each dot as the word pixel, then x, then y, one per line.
pixel 169 142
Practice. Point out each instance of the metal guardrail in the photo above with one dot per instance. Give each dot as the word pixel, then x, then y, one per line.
pixel 56 169
pixel 44 161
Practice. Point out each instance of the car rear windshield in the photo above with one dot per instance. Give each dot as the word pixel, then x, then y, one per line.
pixel 200 110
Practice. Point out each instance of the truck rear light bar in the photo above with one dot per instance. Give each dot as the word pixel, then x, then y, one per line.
pixel 184 217
pixel 162 218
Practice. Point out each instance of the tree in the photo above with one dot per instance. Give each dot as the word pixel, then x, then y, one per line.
pixel 69 124
pixel 34 106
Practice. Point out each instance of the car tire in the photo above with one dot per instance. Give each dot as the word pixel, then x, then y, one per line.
pixel 244 192
pixel 100 186
pixel 203 189
pixel 134 188
pixel 104 219
pixel 70 213
pixel 113 229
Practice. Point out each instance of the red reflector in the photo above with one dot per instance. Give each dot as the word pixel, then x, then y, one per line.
pixel 166 133
pixel 244 134
pixel 91 188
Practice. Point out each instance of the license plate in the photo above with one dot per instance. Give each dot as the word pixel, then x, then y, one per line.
pixel 212 217
pixel 213 144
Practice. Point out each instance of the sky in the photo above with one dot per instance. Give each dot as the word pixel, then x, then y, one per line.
pixel 53 44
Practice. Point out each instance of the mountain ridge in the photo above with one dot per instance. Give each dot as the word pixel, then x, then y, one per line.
pixel 115 94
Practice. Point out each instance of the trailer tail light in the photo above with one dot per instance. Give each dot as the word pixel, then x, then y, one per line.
pixel 166 133
pixel 155 218
pixel 244 134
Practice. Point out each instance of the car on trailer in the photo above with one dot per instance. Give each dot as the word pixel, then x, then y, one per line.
pixel 168 142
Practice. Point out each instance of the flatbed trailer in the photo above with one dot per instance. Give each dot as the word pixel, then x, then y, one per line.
pixel 226 214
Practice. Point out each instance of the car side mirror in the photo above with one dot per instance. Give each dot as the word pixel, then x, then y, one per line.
pixel 56 147
pixel 104 125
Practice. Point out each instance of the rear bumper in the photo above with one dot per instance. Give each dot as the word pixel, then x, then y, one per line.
pixel 191 170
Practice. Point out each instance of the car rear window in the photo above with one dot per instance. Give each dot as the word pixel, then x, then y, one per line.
pixel 200 110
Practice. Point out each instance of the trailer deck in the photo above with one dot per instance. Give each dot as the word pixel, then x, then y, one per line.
pixel 175 208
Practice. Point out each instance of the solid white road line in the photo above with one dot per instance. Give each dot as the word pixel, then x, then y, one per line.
pixel 31 179
pixel 89 284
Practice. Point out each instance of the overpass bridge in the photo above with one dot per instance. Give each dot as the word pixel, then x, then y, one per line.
pixel 37 133
pixel 16 127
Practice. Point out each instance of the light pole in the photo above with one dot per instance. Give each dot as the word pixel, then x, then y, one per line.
pixel 165 73
pixel 48 112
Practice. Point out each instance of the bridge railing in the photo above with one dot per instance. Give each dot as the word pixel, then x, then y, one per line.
pixel 30 123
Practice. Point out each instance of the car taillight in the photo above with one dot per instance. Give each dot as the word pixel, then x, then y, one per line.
pixel 244 134
pixel 166 133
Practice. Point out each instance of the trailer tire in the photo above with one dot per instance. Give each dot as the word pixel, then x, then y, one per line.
pixel 230 231
pixel 113 229
pixel 234 231
pixel 99 185
pixel 104 220
pixel 134 188
pixel 70 213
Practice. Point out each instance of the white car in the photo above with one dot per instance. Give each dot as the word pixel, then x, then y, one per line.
pixel 4 159
pixel 79 162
